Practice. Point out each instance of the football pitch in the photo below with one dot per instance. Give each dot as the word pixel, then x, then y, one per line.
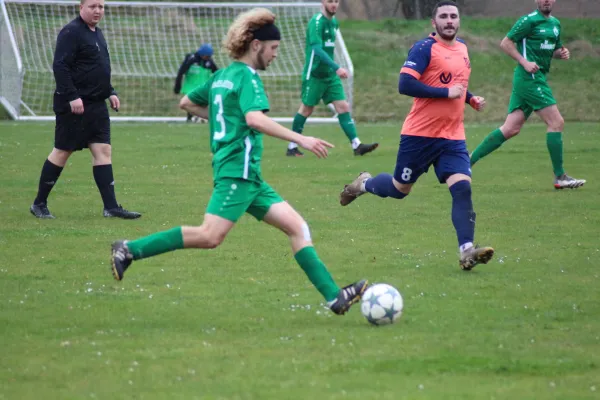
pixel 243 322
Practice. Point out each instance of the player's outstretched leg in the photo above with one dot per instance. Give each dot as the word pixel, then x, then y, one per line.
pixel 382 185
pixel 463 219
pixel 282 216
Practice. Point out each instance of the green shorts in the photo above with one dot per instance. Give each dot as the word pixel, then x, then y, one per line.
pixel 328 89
pixel 530 94
pixel 231 198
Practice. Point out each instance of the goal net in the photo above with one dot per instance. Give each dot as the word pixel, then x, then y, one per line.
pixel 147 44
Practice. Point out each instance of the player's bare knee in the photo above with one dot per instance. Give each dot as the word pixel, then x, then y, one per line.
pixel 184 103
pixel 304 232
pixel 557 125
pixel 341 107
pixel 306 111
pixel 510 130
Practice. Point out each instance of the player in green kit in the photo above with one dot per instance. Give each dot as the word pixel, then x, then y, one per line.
pixel 321 79
pixel 194 71
pixel 533 41
pixel 234 102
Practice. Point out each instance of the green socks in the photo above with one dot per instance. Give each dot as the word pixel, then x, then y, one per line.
pixel 298 124
pixel 317 272
pixel 555 148
pixel 348 126
pixel 156 243
pixel 489 144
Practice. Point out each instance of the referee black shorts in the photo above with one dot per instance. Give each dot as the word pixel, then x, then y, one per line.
pixel 75 132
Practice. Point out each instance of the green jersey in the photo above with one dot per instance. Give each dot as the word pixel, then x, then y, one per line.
pixel 195 76
pixel 322 32
pixel 536 37
pixel 231 93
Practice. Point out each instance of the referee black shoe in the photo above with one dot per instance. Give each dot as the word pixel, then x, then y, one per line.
pixel 41 211
pixel 348 295
pixel 120 212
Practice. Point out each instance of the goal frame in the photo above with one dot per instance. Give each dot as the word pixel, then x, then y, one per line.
pixel 17 115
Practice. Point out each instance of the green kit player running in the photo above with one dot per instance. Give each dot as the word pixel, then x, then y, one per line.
pixel 321 79
pixel 533 41
pixel 234 102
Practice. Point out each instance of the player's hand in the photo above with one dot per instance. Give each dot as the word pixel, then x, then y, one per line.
pixel 115 103
pixel 477 102
pixel 456 91
pixel 315 145
pixel 565 54
pixel 342 73
pixel 531 67
pixel 76 106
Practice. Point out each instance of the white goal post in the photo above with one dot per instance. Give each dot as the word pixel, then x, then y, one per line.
pixel 147 42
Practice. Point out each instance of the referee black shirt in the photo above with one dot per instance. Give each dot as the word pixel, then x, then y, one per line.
pixel 81 65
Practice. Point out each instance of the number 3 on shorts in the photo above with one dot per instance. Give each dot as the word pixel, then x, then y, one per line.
pixel 406 173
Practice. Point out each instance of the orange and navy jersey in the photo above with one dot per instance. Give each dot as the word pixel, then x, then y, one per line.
pixel 438 65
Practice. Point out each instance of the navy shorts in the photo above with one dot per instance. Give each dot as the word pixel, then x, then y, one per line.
pixel 74 132
pixel 417 153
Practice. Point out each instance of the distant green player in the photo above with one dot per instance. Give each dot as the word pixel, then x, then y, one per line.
pixel 533 41
pixel 195 70
pixel 234 102
pixel 321 79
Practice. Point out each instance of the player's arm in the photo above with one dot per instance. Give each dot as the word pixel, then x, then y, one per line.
pixel 64 59
pixel 183 68
pixel 196 102
pixel 315 39
pixel 561 51
pixel 476 102
pixel 410 86
pixel 324 57
pixel 254 103
pixel 259 121
pixel 520 30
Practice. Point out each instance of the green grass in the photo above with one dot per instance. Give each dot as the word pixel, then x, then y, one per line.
pixel 242 322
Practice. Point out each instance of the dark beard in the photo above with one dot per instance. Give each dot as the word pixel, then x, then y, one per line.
pixel 444 36
pixel 546 13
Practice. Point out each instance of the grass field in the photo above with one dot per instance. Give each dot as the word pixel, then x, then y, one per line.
pixel 242 322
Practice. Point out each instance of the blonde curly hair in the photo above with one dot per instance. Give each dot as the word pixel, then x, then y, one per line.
pixel 240 33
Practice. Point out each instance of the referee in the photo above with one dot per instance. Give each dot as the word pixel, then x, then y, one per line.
pixel 82 73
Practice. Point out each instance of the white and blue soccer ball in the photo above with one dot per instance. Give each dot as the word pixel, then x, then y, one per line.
pixel 381 304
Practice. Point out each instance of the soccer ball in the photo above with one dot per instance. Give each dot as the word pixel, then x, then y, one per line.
pixel 381 304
